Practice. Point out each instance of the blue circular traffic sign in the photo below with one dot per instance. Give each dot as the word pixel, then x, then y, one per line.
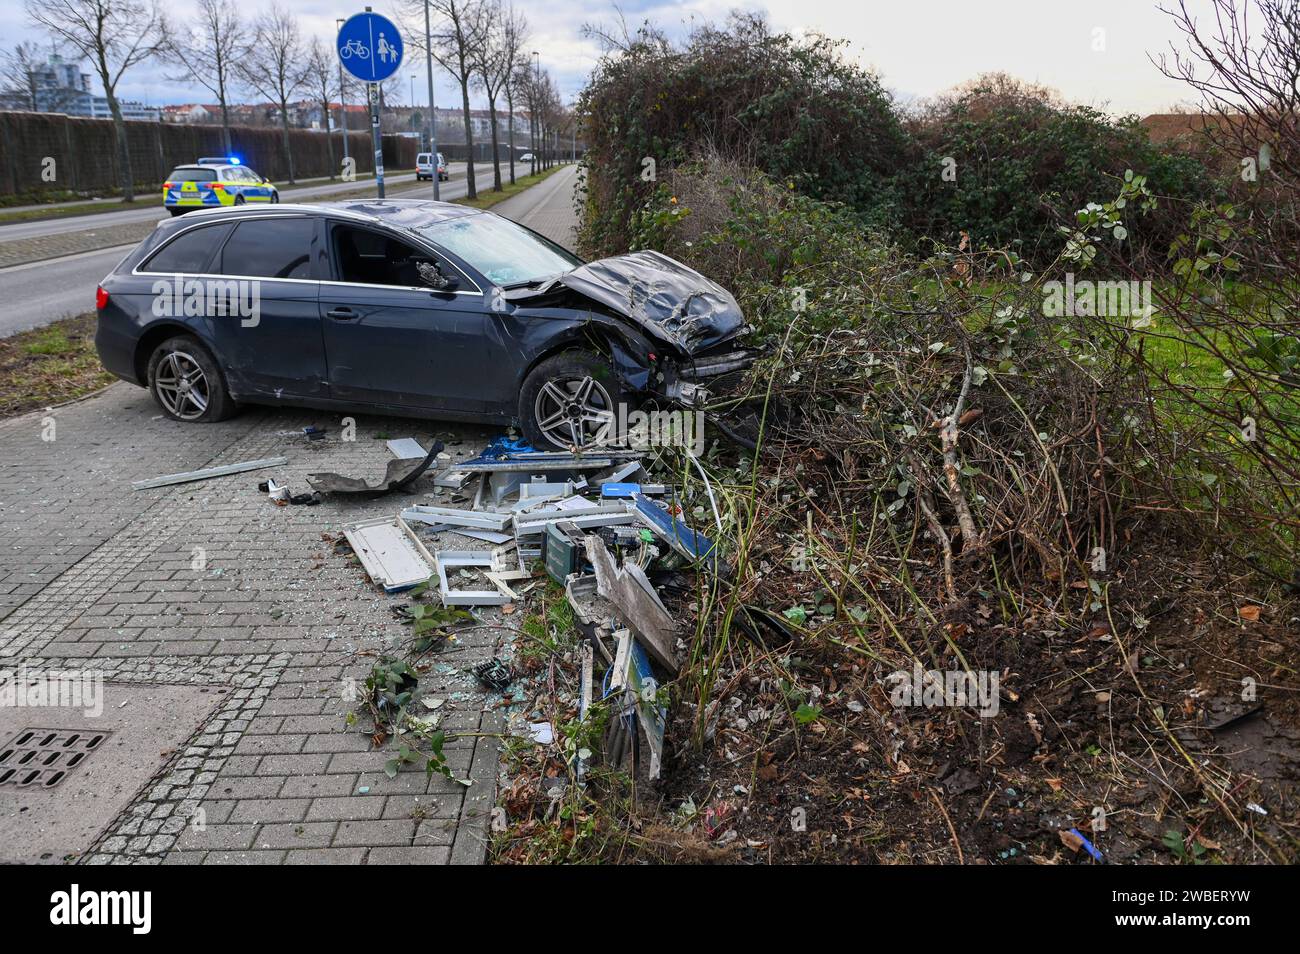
pixel 369 47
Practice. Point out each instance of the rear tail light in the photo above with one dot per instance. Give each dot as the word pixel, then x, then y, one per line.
pixel 167 185
pixel 215 185
pixel 101 298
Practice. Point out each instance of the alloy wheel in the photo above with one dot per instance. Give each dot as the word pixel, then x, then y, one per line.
pixel 574 411
pixel 181 386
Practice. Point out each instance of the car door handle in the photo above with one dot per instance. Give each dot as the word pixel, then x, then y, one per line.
pixel 342 314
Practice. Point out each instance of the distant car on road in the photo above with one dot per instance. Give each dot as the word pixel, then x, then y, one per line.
pixel 424 167
pixel 526 157
pixel 417 308
pixel 215 182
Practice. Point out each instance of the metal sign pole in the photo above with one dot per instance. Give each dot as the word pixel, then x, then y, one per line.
pixel 375 137
pixel 370 48
pixel 343 108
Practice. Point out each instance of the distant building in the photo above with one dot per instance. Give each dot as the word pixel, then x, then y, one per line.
pixel 59 86
pixel 480 121
pixel 191 113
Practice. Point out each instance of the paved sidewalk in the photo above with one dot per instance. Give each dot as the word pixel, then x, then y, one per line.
pixel 98 577
pixel 547 207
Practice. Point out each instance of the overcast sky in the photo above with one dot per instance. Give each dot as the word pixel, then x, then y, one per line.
pixel 1094 52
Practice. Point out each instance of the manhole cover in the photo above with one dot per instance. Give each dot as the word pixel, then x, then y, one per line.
pixel 42 758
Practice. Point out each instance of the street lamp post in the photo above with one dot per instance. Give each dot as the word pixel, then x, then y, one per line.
pixel 343 104
pixel 433 122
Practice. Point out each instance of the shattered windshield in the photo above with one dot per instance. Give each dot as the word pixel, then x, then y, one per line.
pixel 504 252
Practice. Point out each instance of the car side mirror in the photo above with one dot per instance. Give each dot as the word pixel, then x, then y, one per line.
pixel 432 276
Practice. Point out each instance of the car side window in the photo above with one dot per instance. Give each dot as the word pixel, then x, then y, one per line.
pixel 367 257
pixel 190 252
pixel 270 248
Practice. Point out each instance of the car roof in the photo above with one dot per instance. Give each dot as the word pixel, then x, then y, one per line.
pixel 210 165
pixel 396 213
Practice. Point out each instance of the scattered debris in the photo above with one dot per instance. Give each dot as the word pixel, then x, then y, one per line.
pixel 391 553
pixel 406 448
pixel 222 471
pixel 398 475
pixel 450 516
pixel 541 732
pixel 690 544
pixel 483 560
pixel 597 536
pixel 494 674
pixel 636 602
pixel 453 479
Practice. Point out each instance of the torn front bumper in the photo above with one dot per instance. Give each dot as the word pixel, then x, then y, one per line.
pixel 693 382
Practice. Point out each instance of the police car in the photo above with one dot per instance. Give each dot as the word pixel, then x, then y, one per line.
pixel 215 182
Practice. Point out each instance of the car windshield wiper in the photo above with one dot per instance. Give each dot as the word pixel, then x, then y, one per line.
pixel 532 282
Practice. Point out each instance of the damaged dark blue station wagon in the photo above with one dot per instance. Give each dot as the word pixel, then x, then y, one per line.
pixel 413 308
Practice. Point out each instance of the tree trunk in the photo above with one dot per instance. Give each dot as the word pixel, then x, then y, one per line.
pixel 119 131
pixel 496 145
pixel 510 133
pixel 471 190
pixel 284 138
pixel 225 128
pixel 123 150
pixel 329 136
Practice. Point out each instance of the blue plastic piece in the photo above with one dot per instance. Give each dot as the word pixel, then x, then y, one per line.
pixel 620 490
pixel 1088 846
pixel 692 545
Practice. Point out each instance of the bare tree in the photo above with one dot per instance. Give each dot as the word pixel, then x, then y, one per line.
pixel 20 74
pixel 207 53
pixel 526 84
pixel 322 83
pixel 114 35
pixel 456 41
pixel 275 66
pixel 543 99
pixel 492 62
pixel 1246 69
pixel 514 36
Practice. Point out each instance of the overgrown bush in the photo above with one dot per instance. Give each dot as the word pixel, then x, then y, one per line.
pixel 1002 161
pixel 998 161
pixel 953 476
pixel 793 108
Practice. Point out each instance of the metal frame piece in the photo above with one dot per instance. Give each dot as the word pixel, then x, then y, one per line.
pixel 222 471
pixel 484 560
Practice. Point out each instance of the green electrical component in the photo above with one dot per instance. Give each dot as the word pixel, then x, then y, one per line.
pixel 561 550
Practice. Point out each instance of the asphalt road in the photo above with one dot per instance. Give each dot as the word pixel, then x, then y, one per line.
pixel 37 293
pixel 106 220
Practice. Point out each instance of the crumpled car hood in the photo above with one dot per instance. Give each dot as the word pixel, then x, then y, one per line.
pixel 661 295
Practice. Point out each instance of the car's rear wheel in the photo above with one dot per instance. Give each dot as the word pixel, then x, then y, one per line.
pixel 240 200
pixel 186 382
pixel 570 401
pixel 176 212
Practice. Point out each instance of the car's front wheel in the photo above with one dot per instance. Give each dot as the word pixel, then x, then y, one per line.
pixel 186 382
pixel 570 400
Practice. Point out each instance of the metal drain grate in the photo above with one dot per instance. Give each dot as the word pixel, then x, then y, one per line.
pixel 42 758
